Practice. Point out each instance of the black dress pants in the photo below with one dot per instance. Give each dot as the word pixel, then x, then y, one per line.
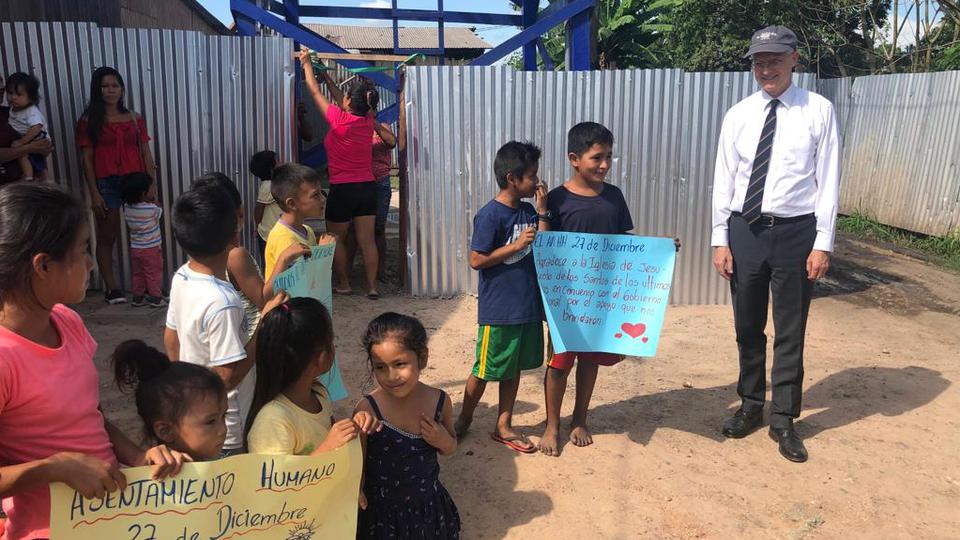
pixel 771 259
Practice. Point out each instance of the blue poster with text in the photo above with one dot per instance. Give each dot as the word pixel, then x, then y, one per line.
pixel 604 292
pixel 310 278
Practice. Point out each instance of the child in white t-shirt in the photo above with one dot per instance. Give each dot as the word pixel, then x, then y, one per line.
pixel 205 320
pixel 23 95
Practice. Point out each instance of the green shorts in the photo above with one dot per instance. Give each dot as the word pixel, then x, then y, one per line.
pixel 504 350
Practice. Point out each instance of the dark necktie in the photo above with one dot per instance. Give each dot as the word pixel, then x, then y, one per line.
pixel 754 198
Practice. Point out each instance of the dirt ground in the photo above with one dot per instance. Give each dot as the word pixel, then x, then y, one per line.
pixel 879 419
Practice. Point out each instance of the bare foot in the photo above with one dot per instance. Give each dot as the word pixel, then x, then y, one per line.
pixel 461 426
pixel 580 436
pixel 548 443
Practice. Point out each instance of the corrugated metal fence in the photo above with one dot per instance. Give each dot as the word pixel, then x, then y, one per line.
pixel 666 124
pixel 901 157
pixel 210 102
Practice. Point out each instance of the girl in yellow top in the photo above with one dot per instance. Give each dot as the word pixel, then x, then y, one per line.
pixel 291 412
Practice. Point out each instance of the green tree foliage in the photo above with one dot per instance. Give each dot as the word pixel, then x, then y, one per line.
pixel 835 36
pixel 630 34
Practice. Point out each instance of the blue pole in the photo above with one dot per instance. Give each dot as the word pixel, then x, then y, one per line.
pixel 396 30
pixel 292 16
pixel 529 10
pixel 443 53
pixel 580 41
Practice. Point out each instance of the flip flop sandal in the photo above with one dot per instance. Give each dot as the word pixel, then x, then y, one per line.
pixel 373 296
pixel 511 442
pixel 344 292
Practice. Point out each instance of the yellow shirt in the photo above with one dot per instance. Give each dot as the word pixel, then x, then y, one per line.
pixel 281 237
pixel 283 428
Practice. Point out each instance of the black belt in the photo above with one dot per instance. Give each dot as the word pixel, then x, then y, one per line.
pixel 766 220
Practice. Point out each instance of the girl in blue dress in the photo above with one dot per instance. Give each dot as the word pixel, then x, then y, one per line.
pixel 402 497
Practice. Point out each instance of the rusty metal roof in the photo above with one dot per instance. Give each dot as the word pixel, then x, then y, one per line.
pixel 381 37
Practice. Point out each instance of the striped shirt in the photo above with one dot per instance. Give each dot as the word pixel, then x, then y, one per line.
pixel 143 222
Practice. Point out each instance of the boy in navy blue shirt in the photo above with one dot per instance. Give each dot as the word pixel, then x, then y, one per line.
pixel 510 337
pixel 586 204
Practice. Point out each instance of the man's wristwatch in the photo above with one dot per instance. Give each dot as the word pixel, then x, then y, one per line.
pixel 546 216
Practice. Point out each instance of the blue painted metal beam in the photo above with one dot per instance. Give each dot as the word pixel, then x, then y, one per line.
pixel 544 55
pixel 277 7
pixel 395 27
pixel 245 25
pixel 291 11
pixel 308 38
pixel 579 42
pixel 578 7
pixel 443 53
pixel 504 19
pixel 529 10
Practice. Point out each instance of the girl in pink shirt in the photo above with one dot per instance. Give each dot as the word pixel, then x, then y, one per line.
pixel 51 428
pixel 353 187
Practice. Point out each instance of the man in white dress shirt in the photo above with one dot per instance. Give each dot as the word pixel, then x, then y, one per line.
pixel 774 211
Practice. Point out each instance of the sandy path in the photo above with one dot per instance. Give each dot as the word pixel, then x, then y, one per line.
pixel 879 420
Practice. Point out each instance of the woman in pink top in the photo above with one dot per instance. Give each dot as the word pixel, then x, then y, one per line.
pixel 353 187
pixel 51 428
pixel 384 142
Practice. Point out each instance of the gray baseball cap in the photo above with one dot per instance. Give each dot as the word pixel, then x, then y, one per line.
pixel 772 39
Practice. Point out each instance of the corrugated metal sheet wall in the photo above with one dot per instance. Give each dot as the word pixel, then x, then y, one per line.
pixel 901 157
pixel 210 102
pixel 666 124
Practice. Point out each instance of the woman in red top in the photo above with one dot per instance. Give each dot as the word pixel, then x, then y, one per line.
pixel 353 188
pixel 113 141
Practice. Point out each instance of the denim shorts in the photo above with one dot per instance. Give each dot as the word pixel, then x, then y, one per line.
pixel 383 202
pixel 109 188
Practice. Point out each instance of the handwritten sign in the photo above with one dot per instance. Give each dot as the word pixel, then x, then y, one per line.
pixel 248 496
pixel 604 292
pixel 310 278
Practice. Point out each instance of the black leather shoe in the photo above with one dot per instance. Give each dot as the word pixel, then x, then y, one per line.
pixel 791 447
pixel 742 423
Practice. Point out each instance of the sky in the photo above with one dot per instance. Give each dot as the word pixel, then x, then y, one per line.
pixel 493 35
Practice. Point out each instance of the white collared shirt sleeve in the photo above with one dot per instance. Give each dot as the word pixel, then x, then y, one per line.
pixel 724 175
pixel 828 180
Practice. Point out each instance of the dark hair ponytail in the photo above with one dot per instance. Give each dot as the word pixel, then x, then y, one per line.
pixel 406 330
pixel 163 389
pixel 290 337
pixel 34 218
pixel 364 96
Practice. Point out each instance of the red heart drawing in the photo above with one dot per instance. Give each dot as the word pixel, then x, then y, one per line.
pixel 618 335
pixel 645 339
pixel 633 330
